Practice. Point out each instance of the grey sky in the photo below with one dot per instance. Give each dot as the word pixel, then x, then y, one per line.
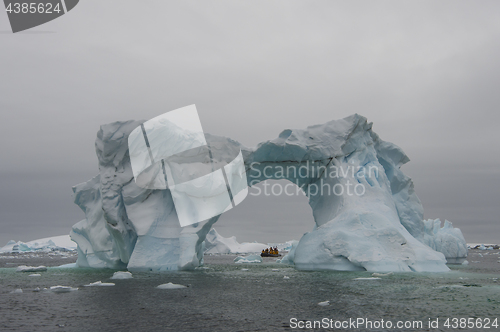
pixel 425 72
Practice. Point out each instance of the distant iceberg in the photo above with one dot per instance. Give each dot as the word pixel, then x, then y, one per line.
pixel 24 268
pixel 217 244
pixel 380 230
pixel 55 243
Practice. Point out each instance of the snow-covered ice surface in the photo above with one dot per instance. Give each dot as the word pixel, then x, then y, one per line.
pixel 382 230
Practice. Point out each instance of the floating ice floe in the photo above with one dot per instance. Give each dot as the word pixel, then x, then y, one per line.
pixel 286 277
pixel 170 286
pixel 24 268
pixel 248 259
pixel 62 289
pixel 244 269
pixel 122 275
pixel 35 275
pixel 100 284
pixel 17 291
pixel 67 266
pixel 382 274
pixel 369 278
pixel 324 303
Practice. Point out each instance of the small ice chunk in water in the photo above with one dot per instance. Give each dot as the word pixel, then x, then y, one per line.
pixel 35 275
pixel 122 275
pixel 67 266
pixel 17 291
pixel 371 278
pixel 275 270
pixel 100 284
pixel 62 289
pixel 244 269
pixel 381 274
pixel 285 277
pixel 248 259
pixel 324 303
pixel 24 268
pixel 170 286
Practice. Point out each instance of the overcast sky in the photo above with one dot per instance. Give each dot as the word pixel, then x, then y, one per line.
pixel 426 73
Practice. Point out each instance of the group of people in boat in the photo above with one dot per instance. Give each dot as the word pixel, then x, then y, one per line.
pixel 271 251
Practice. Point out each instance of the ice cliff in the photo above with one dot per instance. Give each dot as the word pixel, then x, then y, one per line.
pixel 374 224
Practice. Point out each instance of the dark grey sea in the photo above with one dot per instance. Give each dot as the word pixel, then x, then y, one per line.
pixel 224 296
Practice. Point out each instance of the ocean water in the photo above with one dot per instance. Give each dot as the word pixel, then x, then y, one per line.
pixel 223 297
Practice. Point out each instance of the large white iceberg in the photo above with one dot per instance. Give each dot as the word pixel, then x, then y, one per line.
pixel 369 218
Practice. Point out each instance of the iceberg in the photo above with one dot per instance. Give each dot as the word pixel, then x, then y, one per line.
pixel 288 259
pixel 446 239
pixel 55 243
pixel 367 214
pixel 217 244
